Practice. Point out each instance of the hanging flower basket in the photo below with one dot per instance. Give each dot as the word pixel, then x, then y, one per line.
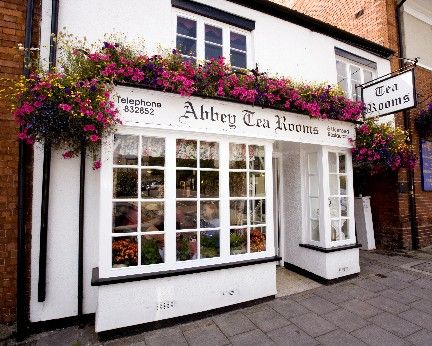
pixel 380 148
pixel 423 122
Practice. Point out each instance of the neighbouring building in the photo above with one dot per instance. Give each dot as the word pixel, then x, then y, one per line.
pixel 190 174
pixel 400 221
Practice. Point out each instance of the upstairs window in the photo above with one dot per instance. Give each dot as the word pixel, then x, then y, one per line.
pixel 352 71
pixel 199 38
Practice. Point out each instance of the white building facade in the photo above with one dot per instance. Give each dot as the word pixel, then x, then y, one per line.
pixel 215 194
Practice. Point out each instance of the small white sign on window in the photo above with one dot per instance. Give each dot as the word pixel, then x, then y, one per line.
pixel 390 95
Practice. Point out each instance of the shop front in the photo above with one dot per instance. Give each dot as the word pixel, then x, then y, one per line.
pixel 187 221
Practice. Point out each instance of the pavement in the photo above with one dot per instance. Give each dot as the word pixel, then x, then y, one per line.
pixel 390 303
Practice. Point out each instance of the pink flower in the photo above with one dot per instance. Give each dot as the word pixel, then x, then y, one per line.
pixel 68 154
pixel 94 138
pixel 89 128
pixel 97 164
pixel 65 107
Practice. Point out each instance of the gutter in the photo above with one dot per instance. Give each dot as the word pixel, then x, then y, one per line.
pixel 412 199
pixel 21 314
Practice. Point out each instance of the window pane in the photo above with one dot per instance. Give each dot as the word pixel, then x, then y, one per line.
pixel 315 230
pixel 153 151
pixel 237 184
pixel 212 51
pixel 125 150
pixel 313 186
pixel 152 183
pixel 312 159
pixel 125 217
pixel 238 59
pixel 257 239
pixel 152 249
pixel 334 188
pixel 238 241
pixel 237 156
pixel 332 162
pixel 124 252
pixel 209 186
pixel 186 215
pixel 152 216
pixel 209 243
pixel 341 68
pixel 238 213
pixel 342 76
pixel 257 184
pixel 354 90
pixel 335 232
pixel 213 34
pixel 344 228
pixel 342 163
pixel 186 153
pixel 355 74
pixel 343 184
pixel 209 214
pixel 367 76
pixel 257 211
pixel 334 206
pixel 186 245
pixel 186 183
pixel 238 41
pixel 186 27
pixel 344 206
pixel 256 157
pixel 125 183
pixel 186 45
pixel 314 208
pixel 209 155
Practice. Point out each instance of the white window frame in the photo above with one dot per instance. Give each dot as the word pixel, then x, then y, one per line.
pixel 348 63
pixel 324 191
pixel 200 39
pixel 106 191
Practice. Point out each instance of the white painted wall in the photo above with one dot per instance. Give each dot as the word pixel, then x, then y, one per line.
pixel 278 46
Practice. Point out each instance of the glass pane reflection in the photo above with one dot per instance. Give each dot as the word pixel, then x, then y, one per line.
pixel 125 217
pixel 152 183
pixel 256 157
pixel 152 216
pixel 238 213
pixel 237 156
pixel 209 186
pixel 257 211
pixel 209 243
pixel 186 183
pixel 125 183
pixel 257 239
pixel 237 184
pixel 153 151
pixel 124 252
pixel 238 241
pixel 152 249
pixel 186 215
pixel 257 184
pixel 125 150
pixel 209 214
pixel 186 246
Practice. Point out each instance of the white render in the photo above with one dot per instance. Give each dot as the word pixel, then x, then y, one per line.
pixel 301 54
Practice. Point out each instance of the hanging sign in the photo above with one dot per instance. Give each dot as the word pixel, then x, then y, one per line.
pixel 390 95
pixel 426 164
pixel 156 109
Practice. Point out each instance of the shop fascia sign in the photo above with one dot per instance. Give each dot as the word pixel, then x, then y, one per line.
pixel 140 107
pixel 388 95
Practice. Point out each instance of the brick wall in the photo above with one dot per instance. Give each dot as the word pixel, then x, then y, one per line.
pixel 12 28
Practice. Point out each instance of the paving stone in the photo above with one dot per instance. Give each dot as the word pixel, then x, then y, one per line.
pixel 392 282
pixel 374 335
pixel 388 304
pixel 423 283
pixel 254 308
pixel 360 292
pixel 345 319
pixel 302 296
pixel 291 335
pixel 207 321
pixel 253 338
pixel 268 319
pixel 423 305
pixel 395 324
pixel 233 323
pixel 403 297
pixel 370 285
pixel 207 335
pixel 418 317
pixel 339 337
pixel 336 294
pixel 425 293
pixel 421 338
pixel 360 308
pixel 288 308
pixel 403 276
pixel 318 305
pixel 166 336
pixel 313 324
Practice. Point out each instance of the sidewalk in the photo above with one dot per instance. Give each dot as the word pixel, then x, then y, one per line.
pixel 390 303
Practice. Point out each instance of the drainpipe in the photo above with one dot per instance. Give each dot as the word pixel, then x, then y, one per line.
pixel 43 241
pixel 412 198
pixel 21 315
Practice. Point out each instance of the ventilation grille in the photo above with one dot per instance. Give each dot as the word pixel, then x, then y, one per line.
pixel 165 305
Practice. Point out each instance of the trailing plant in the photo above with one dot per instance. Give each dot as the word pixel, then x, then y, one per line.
pixel 423 122
pixel 380 147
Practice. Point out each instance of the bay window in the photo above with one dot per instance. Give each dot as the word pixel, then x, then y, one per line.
pixel 182 201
